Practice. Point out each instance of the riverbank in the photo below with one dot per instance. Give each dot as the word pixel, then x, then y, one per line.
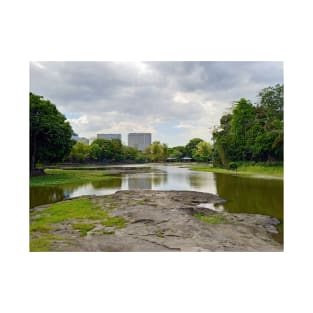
pixel 257 170
pixel 146 220
pixel 72 175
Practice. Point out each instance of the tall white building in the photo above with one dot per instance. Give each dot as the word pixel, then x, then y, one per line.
pixel 139 140
pixel 109 136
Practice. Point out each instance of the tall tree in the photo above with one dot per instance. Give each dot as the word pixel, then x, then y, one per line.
pixel 80 152
pixel 202 152
pixel 191 146
pixel 50 133
pixel 156 151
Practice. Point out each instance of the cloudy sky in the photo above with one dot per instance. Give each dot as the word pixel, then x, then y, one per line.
pixel 175 101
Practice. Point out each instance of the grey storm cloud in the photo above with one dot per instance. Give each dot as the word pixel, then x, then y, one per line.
pixel 126 94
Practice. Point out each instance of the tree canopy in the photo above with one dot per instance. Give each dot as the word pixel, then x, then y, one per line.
pixel 251 132
pixel 50 133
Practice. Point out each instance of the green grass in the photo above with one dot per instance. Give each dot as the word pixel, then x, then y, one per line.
pixel 256 170
pixel 76 212
pixel 59 177
pixel 43 243
pixel 212 219
pixel 118 222
pixel 83 228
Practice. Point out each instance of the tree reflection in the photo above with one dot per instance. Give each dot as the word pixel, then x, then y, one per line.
pixel 251 195
pixel 43 195
pixel 114 182
pixel 139 182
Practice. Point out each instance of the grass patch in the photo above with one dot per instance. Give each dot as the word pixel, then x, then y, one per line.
pixel 43 243
pixel 78 209
pixel 212 219
pixel 76 212
pixel 118 222
pixel 256 170
pixel 39 227
pixel 83 228
pixel 59 177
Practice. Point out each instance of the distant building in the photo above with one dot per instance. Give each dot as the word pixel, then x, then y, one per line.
pixel 109 136
pixel 80 139
pixel 139 140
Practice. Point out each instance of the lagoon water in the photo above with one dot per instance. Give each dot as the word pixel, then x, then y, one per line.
pixel 243 194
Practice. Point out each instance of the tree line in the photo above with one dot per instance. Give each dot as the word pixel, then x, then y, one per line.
pixel 103 150
pixel 252 132
pixel 248 133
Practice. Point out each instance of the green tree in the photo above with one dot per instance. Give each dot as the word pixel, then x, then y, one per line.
pixel 177 152
pixel 156 152
pixel 104 151
pixel 202 152
pixel 243 118
pixel 117 150
pixel 95 151
pixel 50 133
pixel 129 153
pixel 80 152
pixel 251 132
pixel 191 146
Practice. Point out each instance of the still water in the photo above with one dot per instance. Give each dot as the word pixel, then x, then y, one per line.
pixel 243 194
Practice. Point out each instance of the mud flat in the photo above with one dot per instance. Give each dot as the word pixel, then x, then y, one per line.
pixel 146 220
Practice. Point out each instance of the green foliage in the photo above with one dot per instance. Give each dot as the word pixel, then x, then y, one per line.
pixel 103 150
pixel 50 133
pixel 232 166
pixel 251 133
pixel 191 146
pixel 156 152
pixel 80 152
pixel 177 152
pixel 202 152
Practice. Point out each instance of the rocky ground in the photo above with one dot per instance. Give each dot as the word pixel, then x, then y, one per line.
pixel 170 221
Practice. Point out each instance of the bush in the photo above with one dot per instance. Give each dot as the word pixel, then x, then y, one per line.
pixel 232 166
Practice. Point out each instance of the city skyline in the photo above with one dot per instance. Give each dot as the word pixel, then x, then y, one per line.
pixel 176 101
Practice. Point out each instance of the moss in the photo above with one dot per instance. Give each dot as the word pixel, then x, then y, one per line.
pixel 43 243
pixel 118 222
pixel 160 234
pixel 83 228
pixel 82 208
pixel 212 219
pixel 75 212
pixel 39 227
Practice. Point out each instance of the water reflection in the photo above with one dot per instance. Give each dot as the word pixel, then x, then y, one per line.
pixel 43 195
pixel 243 194
pixel 138 182
pixel 250 195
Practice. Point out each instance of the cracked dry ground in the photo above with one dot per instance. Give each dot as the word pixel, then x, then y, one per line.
pixel 165 221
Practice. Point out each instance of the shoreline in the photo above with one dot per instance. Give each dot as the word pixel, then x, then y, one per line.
pixel 147 220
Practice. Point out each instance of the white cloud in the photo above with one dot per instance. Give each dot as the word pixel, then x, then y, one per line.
pixel 141 96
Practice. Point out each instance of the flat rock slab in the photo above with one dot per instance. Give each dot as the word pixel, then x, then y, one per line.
pixel 165 221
